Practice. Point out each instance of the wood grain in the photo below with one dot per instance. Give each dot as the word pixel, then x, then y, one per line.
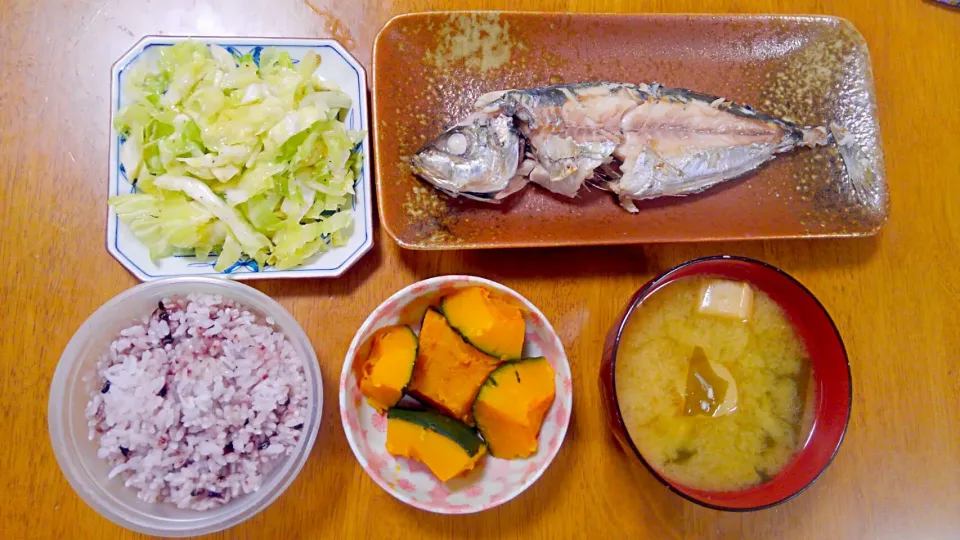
pixel 893 296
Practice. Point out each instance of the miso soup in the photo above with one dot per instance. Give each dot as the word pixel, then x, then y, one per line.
pixel 713 382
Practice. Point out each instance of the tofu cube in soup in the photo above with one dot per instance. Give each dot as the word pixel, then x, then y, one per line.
pixel 730 299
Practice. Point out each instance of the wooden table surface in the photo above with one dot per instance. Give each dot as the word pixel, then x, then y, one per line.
pixel 894 296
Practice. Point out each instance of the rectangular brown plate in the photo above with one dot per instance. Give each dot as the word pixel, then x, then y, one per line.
pixel 429 68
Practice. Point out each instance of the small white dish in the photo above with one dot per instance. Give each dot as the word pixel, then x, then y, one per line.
pixel 494 481
pixel 337 65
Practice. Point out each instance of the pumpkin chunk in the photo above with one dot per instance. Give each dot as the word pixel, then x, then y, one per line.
pixel 448 372
pixel 447 447
pixel 389 366
pixel 510 407
pixel 490 324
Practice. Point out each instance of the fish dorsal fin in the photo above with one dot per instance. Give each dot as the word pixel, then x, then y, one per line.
pixel 488 98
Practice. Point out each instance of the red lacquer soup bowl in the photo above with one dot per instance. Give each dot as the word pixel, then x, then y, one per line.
pixel 831 381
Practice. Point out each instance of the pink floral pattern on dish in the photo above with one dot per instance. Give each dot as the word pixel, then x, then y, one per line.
pixel 555 443
pixel 377 460
pixel 379 422
pixel 498 469
pixel 494 481
pixel 417 289
pixel 437 492
pixel 561 415
pixel 417 467
pixel 352 423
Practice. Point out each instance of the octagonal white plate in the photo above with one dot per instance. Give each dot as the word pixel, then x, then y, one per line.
pixel 336 65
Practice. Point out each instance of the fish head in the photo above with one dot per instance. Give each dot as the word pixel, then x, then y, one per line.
pixel 477 158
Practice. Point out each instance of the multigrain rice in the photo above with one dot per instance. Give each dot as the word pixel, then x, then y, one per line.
pixel 197 403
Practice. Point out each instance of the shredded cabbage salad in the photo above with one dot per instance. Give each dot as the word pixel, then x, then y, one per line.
pixel 236 157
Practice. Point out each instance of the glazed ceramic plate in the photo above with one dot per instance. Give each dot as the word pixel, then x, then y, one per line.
pixel 429 68
pixel 337 65
pixel 494 481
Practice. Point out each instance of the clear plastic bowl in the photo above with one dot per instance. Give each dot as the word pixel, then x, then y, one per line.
pixel 69 395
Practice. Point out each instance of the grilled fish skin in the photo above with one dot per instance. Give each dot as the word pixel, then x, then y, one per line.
pixel 639 141
pixel 476 159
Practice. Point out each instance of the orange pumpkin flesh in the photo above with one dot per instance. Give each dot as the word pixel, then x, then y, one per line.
pixel 510 407
pixel 490 324
pixel 447 447
pixel 448 372
pixel 388 368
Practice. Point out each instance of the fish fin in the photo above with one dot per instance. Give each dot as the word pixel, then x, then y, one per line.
pixel 814 137
pixel 863 179
pixel 516 184
pixel 488 98
pixel 567 185
pixel 601 184
pixel 637 176
pixel 526 166
pixel 571 97
pixel 627 204
pixel 520 179
pixel 608 171
pixel 652 89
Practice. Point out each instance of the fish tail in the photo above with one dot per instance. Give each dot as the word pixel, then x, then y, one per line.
pixel 860 175
pixel 860 179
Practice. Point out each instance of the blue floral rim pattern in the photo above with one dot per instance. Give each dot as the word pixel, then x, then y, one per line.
pixel 246 265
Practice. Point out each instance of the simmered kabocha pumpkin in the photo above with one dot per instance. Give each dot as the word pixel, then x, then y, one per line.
pixel 447 447
pixel 449 371
pixel 388 368
pixel 488 323
pixel 510 406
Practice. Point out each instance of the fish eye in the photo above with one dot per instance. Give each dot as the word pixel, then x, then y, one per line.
pixel 456 143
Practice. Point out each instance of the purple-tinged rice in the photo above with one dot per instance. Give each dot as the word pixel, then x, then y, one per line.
pixel 198 403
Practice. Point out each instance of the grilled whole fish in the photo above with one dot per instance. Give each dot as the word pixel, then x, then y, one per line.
pixel 639 141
